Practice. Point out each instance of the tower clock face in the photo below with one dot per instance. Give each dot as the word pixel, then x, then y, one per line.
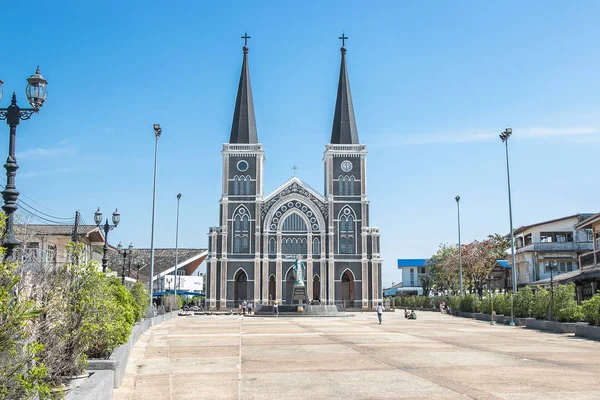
pixel 346 166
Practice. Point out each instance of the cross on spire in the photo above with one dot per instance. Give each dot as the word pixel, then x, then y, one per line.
pixel 246 37
pixel 295 168
pixel 343 39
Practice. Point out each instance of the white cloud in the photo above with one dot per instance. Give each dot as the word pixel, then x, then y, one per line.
pixel 47 152
pixel 34 174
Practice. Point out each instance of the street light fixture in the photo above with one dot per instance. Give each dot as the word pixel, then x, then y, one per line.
pixel 36 95
pixel 116 218
pixel 457 198
pixel 504 137
pixel 177 278
pixel 551 265
pixel 150 312
pixel 125 252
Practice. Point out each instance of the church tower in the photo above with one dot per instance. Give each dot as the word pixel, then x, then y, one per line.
pixel 353 247
pixel 234 246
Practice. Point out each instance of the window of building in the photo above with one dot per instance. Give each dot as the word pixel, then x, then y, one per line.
pixel 272 244
pixel 294 223
pixel 236 185
pixel 589 236
pixel 556 237
pixel 597 240
pixel 412 277
pixel 528 239
pixel 237 244
pixel 341 185
pixel 245 246
pixel 562 266
pixel 346 231
pixel 316 250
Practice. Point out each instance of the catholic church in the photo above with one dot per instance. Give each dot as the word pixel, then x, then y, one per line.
pixel 251 252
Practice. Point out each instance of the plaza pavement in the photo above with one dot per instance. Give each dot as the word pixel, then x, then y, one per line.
pixel 433 357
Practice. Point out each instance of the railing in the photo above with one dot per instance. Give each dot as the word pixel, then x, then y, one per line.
pixel 344 148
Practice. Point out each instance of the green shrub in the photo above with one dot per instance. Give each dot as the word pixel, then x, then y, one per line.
pixel 524 300
pixel 485 305
pixel 115 316
pixel 565 308
pixel 540 304
pixel 591 310
pixel 140 296
pixel 470 303
pixel 21 374
pixel 454 303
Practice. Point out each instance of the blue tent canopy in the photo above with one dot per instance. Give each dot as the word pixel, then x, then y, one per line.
pixel 181 292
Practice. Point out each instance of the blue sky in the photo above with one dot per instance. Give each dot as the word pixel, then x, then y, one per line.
pixel 433 84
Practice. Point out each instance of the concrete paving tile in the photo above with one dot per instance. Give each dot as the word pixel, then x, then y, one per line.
pixel 193 386
pixel 204 364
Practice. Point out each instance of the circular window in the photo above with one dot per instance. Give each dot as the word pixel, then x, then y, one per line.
pixel 346 166
pixel 242 165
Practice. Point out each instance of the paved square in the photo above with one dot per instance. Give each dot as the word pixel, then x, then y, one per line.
pixel 433 357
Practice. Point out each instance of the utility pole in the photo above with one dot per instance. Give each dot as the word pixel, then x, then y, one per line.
pixel 74 236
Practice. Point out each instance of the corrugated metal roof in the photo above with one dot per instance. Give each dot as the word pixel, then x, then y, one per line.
pixel 503 263
pixel 411 262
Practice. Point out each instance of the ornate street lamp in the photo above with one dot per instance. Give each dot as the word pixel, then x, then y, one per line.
pixel 551 265
pixel 126 252
pixel 36 95
pixel 116 218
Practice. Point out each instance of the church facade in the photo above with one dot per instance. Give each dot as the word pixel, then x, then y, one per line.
pixel 252 251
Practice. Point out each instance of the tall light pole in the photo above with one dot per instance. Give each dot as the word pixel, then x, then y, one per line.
pixel 504 137
pixel 13 114
pixel 157 132
pixel 457 198
pixel 126 253
pixel 177 278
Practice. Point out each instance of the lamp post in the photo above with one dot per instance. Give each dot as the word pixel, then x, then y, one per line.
pixel 125 252
pixel 36 95
pixel 551 265
pixel 177 278
pixel 457 198
pixel 157 132
pixel 116 217
pixel 504 137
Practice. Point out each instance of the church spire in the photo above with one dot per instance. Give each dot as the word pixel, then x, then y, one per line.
pixel 243 128
pixel 344 124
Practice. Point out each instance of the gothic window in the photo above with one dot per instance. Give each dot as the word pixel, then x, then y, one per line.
pixel 237 224
pixel 346 186
pixel 294 223
pixel 247 185
pixel 237 244
pixel 272 244
pixel 245 224
pixel 351 186
pixel 245 246
pixel 316 250
pixel 236 185
pixel 241 228
pixel 346 232
pixel 341 185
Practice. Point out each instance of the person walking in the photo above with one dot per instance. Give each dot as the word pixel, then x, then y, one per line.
pixel 275 309
pixel 379 312
pixel 442 306
pixel 244 307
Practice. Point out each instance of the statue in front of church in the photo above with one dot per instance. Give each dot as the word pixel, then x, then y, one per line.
pixel 299 271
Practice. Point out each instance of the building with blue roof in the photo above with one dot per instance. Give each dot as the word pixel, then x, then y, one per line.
pixel 412 271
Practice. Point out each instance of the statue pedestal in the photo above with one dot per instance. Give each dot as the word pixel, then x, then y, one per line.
pixel 299 293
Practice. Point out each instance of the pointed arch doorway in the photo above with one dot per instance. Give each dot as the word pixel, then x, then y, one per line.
pixel 272 288
pixel 240 289
pixel 316 288
pixel 347 286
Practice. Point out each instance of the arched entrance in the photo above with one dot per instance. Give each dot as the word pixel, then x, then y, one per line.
pixel 272 288
pixel 289 287
pixel 316 288
pixel 347 286
pixel 240 289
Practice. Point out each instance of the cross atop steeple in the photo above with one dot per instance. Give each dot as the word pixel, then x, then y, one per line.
pixel 295 168
pixel 343 39
pixel 246 37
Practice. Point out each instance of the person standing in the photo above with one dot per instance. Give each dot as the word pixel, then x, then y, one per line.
pixel 379 312
pixel 250 307
pixel 275 309
pixel 442 306
pixel 244 307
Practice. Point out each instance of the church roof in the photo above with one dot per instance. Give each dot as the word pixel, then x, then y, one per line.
pixel 344 123
pixel 243 128
pixel 290 182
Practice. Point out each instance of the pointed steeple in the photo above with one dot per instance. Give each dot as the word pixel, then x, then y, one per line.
pixel 344 124
pixel 243 128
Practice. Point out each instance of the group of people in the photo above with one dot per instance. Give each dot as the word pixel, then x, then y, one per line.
pixel 245 307
pixel 407 315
